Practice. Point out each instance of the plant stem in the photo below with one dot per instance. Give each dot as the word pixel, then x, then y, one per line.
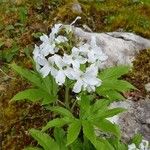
pixel 67 96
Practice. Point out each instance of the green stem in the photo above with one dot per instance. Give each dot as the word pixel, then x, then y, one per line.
pixel 67 96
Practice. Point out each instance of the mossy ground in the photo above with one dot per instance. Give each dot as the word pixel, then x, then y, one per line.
pixel 21 24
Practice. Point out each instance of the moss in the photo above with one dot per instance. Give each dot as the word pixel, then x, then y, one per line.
pixel 140 75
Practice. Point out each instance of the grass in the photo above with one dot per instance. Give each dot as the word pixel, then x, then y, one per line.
pixel 21 24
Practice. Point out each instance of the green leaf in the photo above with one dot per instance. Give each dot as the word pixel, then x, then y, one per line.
pixel 44 140
pixel 110 94
pixel 77 145
pixel 29 75
pixel 87 145
pixel 88 131
pixel 100 104
pixel 119 85
pixel 62 111
pixel 114 72
pixel 50 85
pixel 103 144
pixel 137 139
pixel 58 122
pixel 29 94
pixel 109 127
pixel 60 137
pixel 84 106
pixel 108 113
pixel 73 131
pixel 32 148
pixel 117 144
pixel 34 95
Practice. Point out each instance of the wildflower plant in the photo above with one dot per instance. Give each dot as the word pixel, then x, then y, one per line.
pixel 66 63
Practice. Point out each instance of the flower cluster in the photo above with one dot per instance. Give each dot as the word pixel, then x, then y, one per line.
pixel 144 145
pixel 81 65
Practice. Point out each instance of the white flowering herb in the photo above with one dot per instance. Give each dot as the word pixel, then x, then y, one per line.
pixel 71 81
pixel 61 67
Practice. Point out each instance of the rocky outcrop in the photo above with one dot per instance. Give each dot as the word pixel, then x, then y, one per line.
pixel 121 47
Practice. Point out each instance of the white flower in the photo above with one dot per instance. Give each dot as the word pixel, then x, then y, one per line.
pixel 132 147
pixel 36 52
pixel 74 59
pixel 96 54
pixel 48 67
pixel 61 39
pixel 61 69
pixel 82 50
pixel 55 31
pixel 47 47
pixel 87 80
pixel 144 145
pixel 68 65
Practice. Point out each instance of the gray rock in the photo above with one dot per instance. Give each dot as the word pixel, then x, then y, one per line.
pixel 121 47
pixel 135 120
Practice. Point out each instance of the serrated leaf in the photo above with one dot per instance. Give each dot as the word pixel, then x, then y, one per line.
pixel 117 144
pixel 34 95
pixel 29 94
pixel 58 122
pixel 62 111
pixel 88 131
pixel 110 94
pixel 77 145
pixel 84 102
pixel 60 137
pixel 100 104
pixel 50 85
pixel 118 85
pixel 84 106
pixel 29 75
pixel 103 144
pixel 44 139
pixel 108 113
pixel 114 72
pixel 109 127
pixel 73 131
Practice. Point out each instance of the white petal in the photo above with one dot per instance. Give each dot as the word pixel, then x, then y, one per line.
pixel 131 147
pixel 69 72
pixel 46 49
pixel 36 52
pixel 76 64
pixel 91 80
pixel 67 59
pixel 41 60
pixel 81 60
pixel 93 41
pixel 91 57
pixel 45 70
pixel 61 39
pixel 60 78
pixel 54 72
pixel 44 38
pixel 92 70
pixel 77 86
